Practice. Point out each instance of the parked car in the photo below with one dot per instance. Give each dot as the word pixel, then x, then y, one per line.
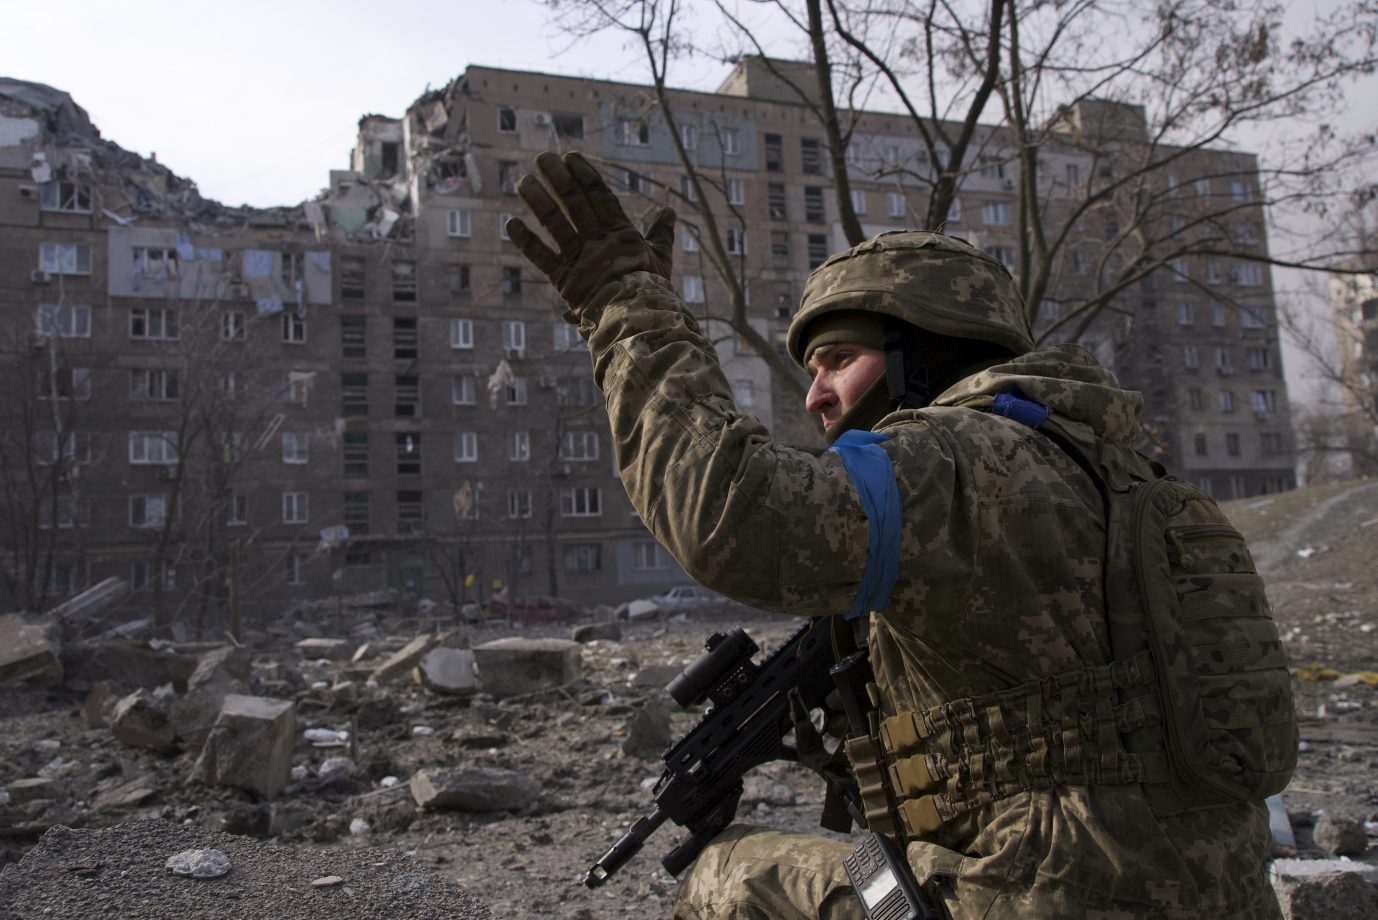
pixel 684 597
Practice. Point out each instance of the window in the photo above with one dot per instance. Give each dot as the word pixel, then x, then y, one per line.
pixel 519 503
pixel 147 383
pixel 411 511
pixel 647 555
pixel 579 445
pixel 693 289
pixel 1212 272
pixel 568 125
pixel 293 328
pixel 992 169
pixel 511 280
pixel 514 338
pixel 687 190
pixel 775 201
pixel 61 511
pixel 503 218
pixel 1270 443
pixel 1194 399
pixel 63 321
pixel 152 447
pixel 567 338
pixel 731 142
pixel 66 196
pixel 461 334
pixel 351 276
pixel 507 119
pixel 1252 318
pixel 237 510
pixel 295 508
pixel 295 565
pixel 1239 191
pixel 234 326
pixel 1265 401
pixel 404 282
pixel 1232 443
pixel 354 337
pixel 1002 254
pixel 636 132
pixel 1250 274
pixel 515 391
pixel 1072 175
pixel 691 238
pixel 811 155
pixel 1078 263
pixel 581 501
pixel 356 512
pixel 406 400
pixel 995 212
pixel 354 450
pixel 148 510
pixel 1203 187
pixel 1226 400
pixel 291 269
pixel 507 178
pixel 895 201
pixel 296 447
pixel 1190 359
pixel 814 211
pixel 954 211
pixel 736 192
pixel 459 279
pixel 818 249
pixel 1245 235
pixel 1200 444
pixel 779 247
pixel 521 446
pixel 153 323
pixel 458 223
pixel 689 136
pixel 1260 359
pixel 744 393
pixel 298 389
pixel 141 574
pixel 736 241
pixel 858 197
pixel 407 452
pixel 1186 313
pixel 404 337
pixel 75 447
pixel 577 391
pixel 462 390
pixel 774 153
pixel 583 557
pixel 1218 315
pixel 65 258
pixel 1222 359
pixel 65 383
pixel 155 262
pixel 466 447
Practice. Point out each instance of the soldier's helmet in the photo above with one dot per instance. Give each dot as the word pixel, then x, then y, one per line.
pixel 933 281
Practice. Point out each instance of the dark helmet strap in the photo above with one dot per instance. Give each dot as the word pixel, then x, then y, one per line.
pixel 905 378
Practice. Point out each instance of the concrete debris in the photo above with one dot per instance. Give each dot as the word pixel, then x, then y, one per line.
pixel 334 768
pixel 92 602
pixel 99 706
pixel 655 676
pixel 326 881
pixel 648 731
pixel 404 659
pixel 198 864
pixel 593 632
pixel 1340 836
pixel 327 737
pixel 250 745
pixel 30 651
pixel 126 663
pixel 329 649
pixel 516 666
pixel 473 789
pixel 115 792
pixel 759 789
pixel 226 664
pixel 1284 839
pixel 362 652
pixel 448 670
pixel 28 790
pixel 1325 889
pixel 359 828
pixel 141 720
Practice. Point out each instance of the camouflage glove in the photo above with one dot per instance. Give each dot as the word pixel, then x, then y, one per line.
pixel 598 242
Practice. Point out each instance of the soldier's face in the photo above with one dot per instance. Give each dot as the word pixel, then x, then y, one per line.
pixel 841 375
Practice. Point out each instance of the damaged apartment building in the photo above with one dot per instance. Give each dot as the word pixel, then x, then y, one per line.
pixel 237 408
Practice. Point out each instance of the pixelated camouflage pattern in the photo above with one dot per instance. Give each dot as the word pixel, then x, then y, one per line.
pixel 1002 582
pixel 931 280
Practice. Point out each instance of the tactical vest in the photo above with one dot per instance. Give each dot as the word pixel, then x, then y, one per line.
pixel 1195 705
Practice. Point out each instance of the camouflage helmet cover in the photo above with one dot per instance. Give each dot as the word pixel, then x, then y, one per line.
pixel 933 281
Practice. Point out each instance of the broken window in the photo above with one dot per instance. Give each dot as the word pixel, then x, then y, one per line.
pixel 406 396
pixel 354 336
pixel 356 512
pixel 147 510
pixel 514 338
pixel 404 282
pixel 234 326
pixel 507 177
pixel 355 453
pixel 63 321
pixel 155 262
pixel 511 279
pixel 351 276
pixel 568 125
pixel 407 450
pixel 354 394
pixel 519 503
pixel 583 557
pixel 515 391
pixel 775 200
pixel 66 196
pixel 291 269
pixel 813 204
pixel 237 509
pixel 779 247
pixel 147 383
pixel 507 119
pixel 636 132
pixel 459 279
pixel 65 258
pixel 298 389
pixel 775 153
pixel 736 241
pixel 391 151
pixel 153 323
pixel 818 249
pixel 411 512
pixel 812 156
pixel 75 447
pixel 404 337
pixel 293 329
pixel 784 300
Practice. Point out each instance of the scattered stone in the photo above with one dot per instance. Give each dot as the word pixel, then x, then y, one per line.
pixel 472 789
pixel 648 731
pixel 656 676
pixel 286 817
pixel 326 881
pixel 225 665
pixel 326 737
pixel 359 828
pixel 1325 889
pixel 28 790
pixel 422 731
pixel 124 794
pixel 516 666
pixel 592 632
pixel 334 768
pixel 126 663
pixel 99 707
pixel 92 601
pixel 1340 836
pixel 30 651
pixel 250 745
pixel 364 651
pixel 404 659
pixel 329 649
pixel 448 670
pixel 141 720
pixel 480 739
pixel 198 864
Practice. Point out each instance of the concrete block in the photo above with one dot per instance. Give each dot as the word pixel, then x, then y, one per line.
pixel 30 651
pixel 1340 836
pixel 226 664
pixel 448 670
pixel 250 745
pixel 648 731
pixel 329 649
pixel 592 632
pixel 99 706
pixel 193 715
pixel 474 789
pixel 512 667
pixel 140 720
pixel 1325 889
pixel 126 663
pixel 28 790
pixel 404 659
pixel 92 601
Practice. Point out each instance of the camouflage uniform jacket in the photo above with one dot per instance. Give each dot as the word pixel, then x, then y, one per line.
pixel 1001 581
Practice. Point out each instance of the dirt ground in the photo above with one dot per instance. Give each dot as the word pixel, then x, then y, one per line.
pixel 1316 548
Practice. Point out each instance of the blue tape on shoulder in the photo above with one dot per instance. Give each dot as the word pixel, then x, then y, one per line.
pixel 1022 410
pixel 873 475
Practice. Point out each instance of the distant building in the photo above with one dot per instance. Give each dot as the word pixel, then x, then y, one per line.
pixel 236 406
pixel 1354 301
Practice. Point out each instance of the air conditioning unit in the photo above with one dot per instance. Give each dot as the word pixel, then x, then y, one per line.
pixel 514 354
pixel 541 119
pixel 38 276
pixel 1009 185
pixel 27 191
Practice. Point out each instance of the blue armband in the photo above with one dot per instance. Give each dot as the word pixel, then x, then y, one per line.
pixel 873 475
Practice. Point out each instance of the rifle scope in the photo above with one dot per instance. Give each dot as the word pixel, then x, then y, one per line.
pixel 716 673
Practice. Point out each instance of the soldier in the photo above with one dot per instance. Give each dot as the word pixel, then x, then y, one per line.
pixel 965 521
